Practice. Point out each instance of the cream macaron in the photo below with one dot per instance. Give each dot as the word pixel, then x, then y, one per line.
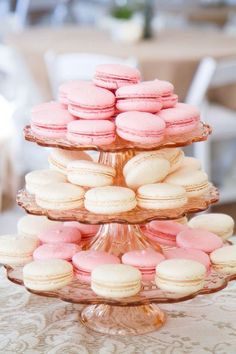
pixel 15 250
pixel 145 168
pixel 110 200
pixel 116 280
pixel 39 178
pixel 59 158
pixel 47 275
pixel 161 196
pixel 33 225
pixel 220 224
pixel 60 196
pixel 175 157
pixel 182 276
pixel 191 163
pixel 224 260
pixel 90 174
pixel 195 182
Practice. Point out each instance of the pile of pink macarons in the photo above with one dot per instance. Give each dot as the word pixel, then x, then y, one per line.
pixel 115 104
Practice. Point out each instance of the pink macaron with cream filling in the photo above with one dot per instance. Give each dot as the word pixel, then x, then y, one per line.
pixel 180 119
pixel 91 103
pixel 143 97
pixel 140 127
pixel 169 98
pixel 193 254
pixel 145 260
pixel 91 132
pixel 51 123
pixel 61 234
pixel 113 76
pixel 199 239
pixel 84 263
pixel 56 250
pixel 73 85
pixel 164 232
pixel 54 105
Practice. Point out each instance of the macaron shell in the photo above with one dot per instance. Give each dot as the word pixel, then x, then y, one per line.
pixel 192 254
pixel 56 250
pixel 140 127
pixel 110 200
pixel 33 225
pixel 199 239
pixel 61 234
pixel 100 132
pixel 47 275
pixel 145 168
pixel 161 196
pixel 224 259
pixel 116 280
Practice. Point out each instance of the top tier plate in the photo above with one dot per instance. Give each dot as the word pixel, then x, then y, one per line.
pixel 200 133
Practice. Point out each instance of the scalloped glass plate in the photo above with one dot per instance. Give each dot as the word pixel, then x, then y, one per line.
pixel 81 293
pixel 135 216
pixel 200 133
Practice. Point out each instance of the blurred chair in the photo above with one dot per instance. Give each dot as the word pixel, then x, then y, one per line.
pixel 212 74
pixel 20 91
pixel 77 66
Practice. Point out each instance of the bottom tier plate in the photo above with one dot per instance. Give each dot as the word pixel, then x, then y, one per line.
pixel 81 293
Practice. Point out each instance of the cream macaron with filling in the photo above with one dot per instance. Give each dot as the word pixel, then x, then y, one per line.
pixel 90 174
pixel 116 280
pixel 161 196
pixel 39 178
pixel 224 260
pixel 195 182
pixel 15 250
pixel 110 200
pixel 47 275
pixel 59 158
pixel 60 196
pixel 181 276
pixel 220 224
pixel 175 157
pixel 33 225
pixel 145 168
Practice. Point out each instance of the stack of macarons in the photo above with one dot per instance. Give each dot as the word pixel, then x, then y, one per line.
pixel 162 179
pixel 115 103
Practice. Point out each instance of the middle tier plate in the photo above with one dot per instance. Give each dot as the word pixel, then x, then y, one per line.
pixel 135 216
pixel 200 133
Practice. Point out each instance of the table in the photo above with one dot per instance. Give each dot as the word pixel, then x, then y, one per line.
pixel 30 324
pixel 173 55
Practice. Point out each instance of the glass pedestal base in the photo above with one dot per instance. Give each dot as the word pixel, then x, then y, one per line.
pixel 118 320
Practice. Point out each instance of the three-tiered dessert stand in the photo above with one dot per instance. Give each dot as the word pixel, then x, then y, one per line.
pixel 118 234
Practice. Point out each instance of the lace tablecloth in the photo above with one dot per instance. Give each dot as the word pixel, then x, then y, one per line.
pixel 30 324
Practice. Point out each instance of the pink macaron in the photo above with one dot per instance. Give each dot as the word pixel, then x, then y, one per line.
pixel 164 232
pixel 180 119
pixel 73 85
pixel 145 260
pixel 169 98
pixel 51 105
pixel 62 234
pixel 143 97
pixel 199 239
pixel 94 132
pixel 85 261
pixel 56 250
pixel 140 127
pixel 113 76
pixel 91 103
pixel 193 254
pixel 51 123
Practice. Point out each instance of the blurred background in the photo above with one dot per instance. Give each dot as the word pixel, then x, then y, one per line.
pixel 45 42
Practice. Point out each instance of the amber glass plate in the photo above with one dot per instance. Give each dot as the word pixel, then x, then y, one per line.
pixel 81 293
pixel 200 133
pixel 135 216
